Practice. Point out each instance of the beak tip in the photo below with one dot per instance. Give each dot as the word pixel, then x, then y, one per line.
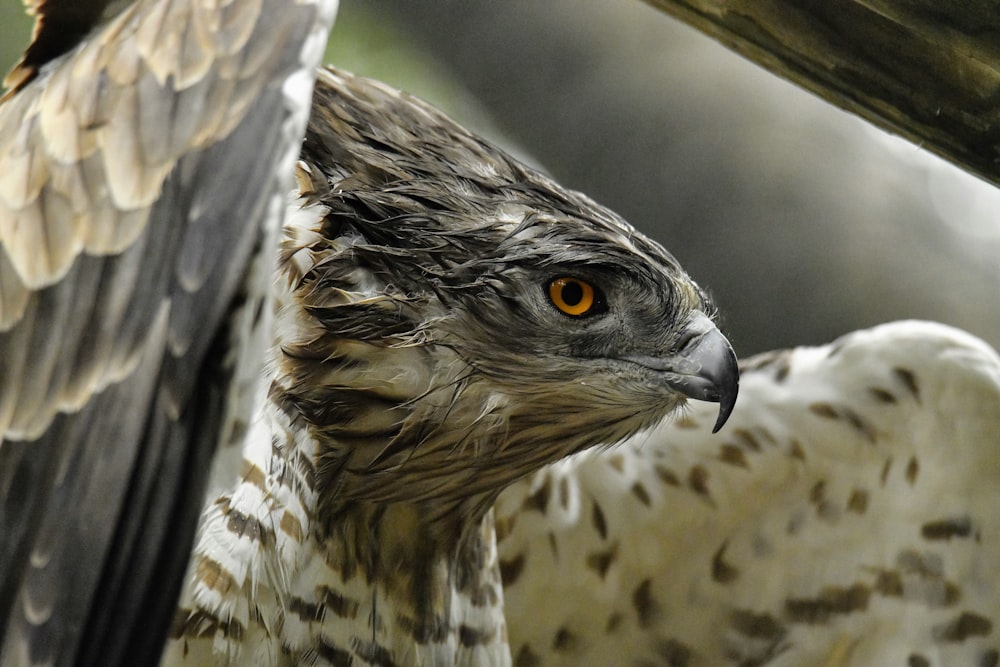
pixel 726 405
pixel 730 389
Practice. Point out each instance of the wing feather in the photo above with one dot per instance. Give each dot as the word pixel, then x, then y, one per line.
pixel 59 26
pixel 142 173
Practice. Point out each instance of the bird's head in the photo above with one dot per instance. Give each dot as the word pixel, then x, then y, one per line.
pixel 459 319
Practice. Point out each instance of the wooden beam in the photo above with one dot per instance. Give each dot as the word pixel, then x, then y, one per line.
pixel 928 70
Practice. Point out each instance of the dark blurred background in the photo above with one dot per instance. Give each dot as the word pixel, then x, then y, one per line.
pixel 803 221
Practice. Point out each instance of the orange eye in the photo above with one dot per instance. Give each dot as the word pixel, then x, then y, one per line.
pixel 572 296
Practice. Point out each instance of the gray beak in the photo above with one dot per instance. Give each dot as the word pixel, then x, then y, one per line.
pixel 704 368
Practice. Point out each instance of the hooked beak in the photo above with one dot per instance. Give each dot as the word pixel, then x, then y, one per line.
pixel 704 368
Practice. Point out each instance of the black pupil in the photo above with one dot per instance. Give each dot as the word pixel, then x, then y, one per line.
pixel 572 293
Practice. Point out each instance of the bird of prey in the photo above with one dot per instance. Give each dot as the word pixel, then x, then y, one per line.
pixel 448 321
pixel 145 154
pixel 449 326
pixel 847 515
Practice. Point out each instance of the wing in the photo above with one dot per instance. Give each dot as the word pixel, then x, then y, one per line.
pixel 847 515
pixel 142 173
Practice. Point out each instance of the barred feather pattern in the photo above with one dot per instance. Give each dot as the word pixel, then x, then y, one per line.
pixel 273 585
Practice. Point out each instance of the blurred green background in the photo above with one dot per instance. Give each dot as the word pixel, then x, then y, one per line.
pixel 804 222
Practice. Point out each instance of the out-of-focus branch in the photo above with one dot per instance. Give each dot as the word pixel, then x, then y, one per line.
pixel 924 69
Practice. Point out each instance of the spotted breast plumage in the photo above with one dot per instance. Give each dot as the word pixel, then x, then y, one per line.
pixel 846 516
